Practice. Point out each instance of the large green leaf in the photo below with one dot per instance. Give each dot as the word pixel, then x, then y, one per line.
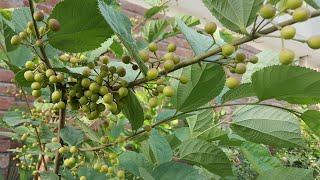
pixel 259 157
pixel 14 118
pixel 155 29
pixel 314 3
pixel 244 90
pixel 208 155
pixel 133 111
pixel 132 161
pixel 267 125
pixel 82 26
pixel 8 32
pixel 312 119
pixel 201 122
pixel 294 84
pixel 179 171
pixel 20 18
pixel 49 176
pixel 71 135
pixel 160 147
pixel 287 173
pixel 121 25
pixel 234 15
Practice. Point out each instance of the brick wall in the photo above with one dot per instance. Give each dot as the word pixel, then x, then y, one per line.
pixel 8 90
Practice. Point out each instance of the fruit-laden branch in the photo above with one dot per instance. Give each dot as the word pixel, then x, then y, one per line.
pixel 217 50
pixel 181 114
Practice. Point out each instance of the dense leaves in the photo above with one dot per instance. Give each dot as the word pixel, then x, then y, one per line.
pixel 71 135
pixel 287 174
pixel 133 110
pixel 312 119
pixel 160 147
pixel 244 90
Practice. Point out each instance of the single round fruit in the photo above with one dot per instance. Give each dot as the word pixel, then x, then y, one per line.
pixel 153 102
pixel 171 47
pixel 108 98
pixel 94 87
pixel 83 100
pixel 56 96
pixel 36 93
pixel 240 57
pixel 104 59
pixel 29 76
pixel 113 107
pixel 29 65
pixel 61 105
pixel 103 90
pixel 60 77
pixel 36 86
pixel 53 79
pixel 104 139
pixel 83 178
pixel 267 11
pixel 168 65
pixel 63 150
pixel 152 73
pixel 168 56
pixel 54 25
pixel 210 28
pixel 147 128
pixel 85 82
pixel 126 59
pixel 232 82
pixel 153 47
pixel 38 16
pixel 254 59
pixel 39 77
pixel 176 59
pixel 184 79
pixel 49 72
pixel 314 42
pixel 294 4
pixel 288 32
pixel 144 55
pixel 73 149
pixel 135 67
pixel 240 68
pixel 23 35
pixel 227 50
pixel 301 14
pixel 168 91
pixel 120 174
pixel 123 92
pixel 286 56
pixel 42 30
pixel 97 166
pixel 121 71
pixel 104 169
pixel 15 40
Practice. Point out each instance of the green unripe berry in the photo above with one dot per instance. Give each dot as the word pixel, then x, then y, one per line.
pixel 294 4
pixel 147 128
pixel 144 55
pixel 39 77
pixel 168 65
pixel 53 79
pixel 171 47
pixel 29 76
pixel 83 100
pixel 98 79
pixel 286 56
pixel 210 28
pixel 104 139
pixel 15 40
pixel 29 65
pixel 168 91
pixel 74 60
pixel 112 69
pixel 227 50
pixel 121 174
pixel 126 59
pixel 254 59
pixel 240 57
pixel 232 82
pixel 23 35
pixel 36 93
pixel 123 92
pixel 38 16
pixel 97 166
pixel 288 32
pixel 60 77
pixel 314 42
pixel 240 68
pixel 94 87
pixel 168 56
pixel 36 86
pixel 104 169
pixel 63 150
pixel 184 79
pixel 86 72
pixel 152 73
pixel 108 98
pixel 101 107
pixel 49 72
pixel 121 71
pixel 54 25
pixel 83 178
pixel 85 82
pixel 113 107
pixel 110 170
pixel 135 67
pixel 42 30
pixel 94 97
pixel 73 149
pixel 267 11
pixel 153 47
pixel 103 90
pixel 301 14
pixel 104 59
pixel 56 96
pixel 153 102
pixel 176 59
pixel 61 105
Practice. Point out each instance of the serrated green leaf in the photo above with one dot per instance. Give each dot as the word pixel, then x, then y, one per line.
pixel 88 131
pixel 87 29
pixel 267 125
pixel 259 157
pixel 312 119
pixel 212 134
pixel 121 25
pixel 133 111
pixel 8 32
pixel 177 170
pixel 234 15
pixel 71 135
pixel 294 84
pixel 207 155
pixel 287 173
pixel 160 147
pixel 244 90
pixel 132 161
pixel 14 118
pixel 154 10
pixel 20 18
pixel 201 122
pixel 90 173
pixel 165 114
pixel 154 29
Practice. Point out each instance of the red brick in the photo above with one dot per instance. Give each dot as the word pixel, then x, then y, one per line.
pixel 6 75
pixel 7 89
pixel 6 102
pixel 5 144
